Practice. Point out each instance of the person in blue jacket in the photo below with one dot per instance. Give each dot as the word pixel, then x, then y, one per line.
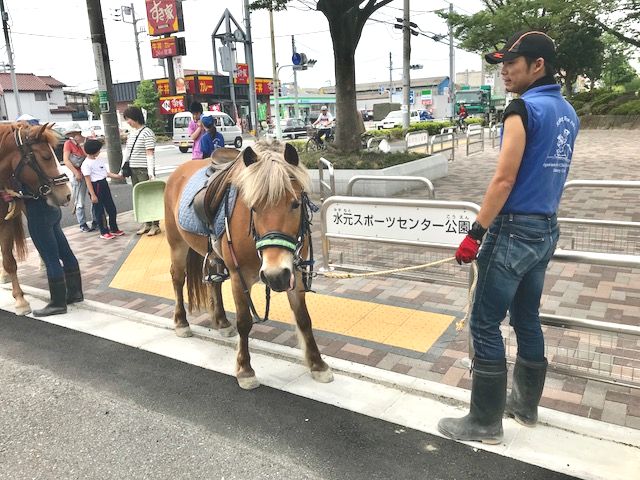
pixel 212 140
pixel 518 230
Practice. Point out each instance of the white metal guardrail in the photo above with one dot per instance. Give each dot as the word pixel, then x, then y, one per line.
pixel 475 136
pixel 442 225
pixel 324 186
pixel 495 132
pixel 416 139
pixel 391 178
pixel 440 141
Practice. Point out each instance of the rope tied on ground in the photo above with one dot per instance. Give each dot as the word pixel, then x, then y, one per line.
pixel 459 324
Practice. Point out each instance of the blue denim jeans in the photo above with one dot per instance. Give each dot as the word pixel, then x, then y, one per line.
pixel 80 198
pixel 43 222
pixel 511 270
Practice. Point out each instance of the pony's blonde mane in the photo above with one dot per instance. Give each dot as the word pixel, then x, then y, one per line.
pixel 266 181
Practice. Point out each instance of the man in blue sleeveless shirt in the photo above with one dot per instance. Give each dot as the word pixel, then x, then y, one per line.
pixel 518 216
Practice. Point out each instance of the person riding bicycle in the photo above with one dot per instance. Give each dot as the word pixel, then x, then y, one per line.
pixel 325 120
pixel 462 115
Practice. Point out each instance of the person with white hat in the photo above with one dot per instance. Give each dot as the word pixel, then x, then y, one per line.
pixel 73 155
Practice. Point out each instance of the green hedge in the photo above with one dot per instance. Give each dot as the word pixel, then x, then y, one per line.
pixel 362 160
pixel 628 108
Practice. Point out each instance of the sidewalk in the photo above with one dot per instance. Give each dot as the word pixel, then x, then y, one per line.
pixel 576 290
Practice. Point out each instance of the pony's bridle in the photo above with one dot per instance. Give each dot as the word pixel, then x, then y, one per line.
pixel 278 240
pixel 28 159
pixel 294 245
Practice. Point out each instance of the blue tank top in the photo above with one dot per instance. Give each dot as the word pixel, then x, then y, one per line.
pixel 552 127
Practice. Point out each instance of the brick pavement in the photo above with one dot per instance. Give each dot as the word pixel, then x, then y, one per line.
pixel 585 291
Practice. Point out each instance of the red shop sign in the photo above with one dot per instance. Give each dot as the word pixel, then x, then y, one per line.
pixel 172 104
pixel 164 16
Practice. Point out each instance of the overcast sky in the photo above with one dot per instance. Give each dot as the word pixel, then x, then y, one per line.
pixel 52 38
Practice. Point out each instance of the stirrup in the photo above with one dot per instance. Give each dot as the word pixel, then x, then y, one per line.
pixel 216 273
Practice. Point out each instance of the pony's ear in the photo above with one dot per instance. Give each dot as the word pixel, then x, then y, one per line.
pixel 291 154
pixel 42 129
pixel 249 156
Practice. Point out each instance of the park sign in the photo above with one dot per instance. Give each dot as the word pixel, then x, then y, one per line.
pixel 168 47
pixel 172 104
pixel 164 17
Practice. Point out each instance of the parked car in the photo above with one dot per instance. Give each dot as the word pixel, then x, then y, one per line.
pixel 224 123
pixel 291 128
pixel 394 119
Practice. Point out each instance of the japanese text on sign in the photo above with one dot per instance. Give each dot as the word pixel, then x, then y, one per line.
pixel 432 225
pixel 241 74
pixel 174 104
pixel 164 47
pixel 164 16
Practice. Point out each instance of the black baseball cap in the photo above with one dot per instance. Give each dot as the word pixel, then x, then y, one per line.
pixel 532 43
pixel 92 146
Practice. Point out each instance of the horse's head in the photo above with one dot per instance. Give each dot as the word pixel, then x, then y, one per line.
pixel 35 165
pixel 273 186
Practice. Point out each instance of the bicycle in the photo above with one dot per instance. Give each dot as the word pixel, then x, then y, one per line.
pixel 315 144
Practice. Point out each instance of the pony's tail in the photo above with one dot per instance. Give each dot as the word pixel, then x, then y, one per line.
pixel 196 289
pixel 18 237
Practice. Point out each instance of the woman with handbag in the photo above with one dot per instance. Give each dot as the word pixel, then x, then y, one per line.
pixel 140 155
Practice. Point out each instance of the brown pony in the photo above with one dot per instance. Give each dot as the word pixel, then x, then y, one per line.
pixel 271 185
pixel 28 169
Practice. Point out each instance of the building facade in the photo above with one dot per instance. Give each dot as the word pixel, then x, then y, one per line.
pixel 40 96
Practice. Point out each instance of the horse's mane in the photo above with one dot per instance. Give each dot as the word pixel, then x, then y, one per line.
pixel 266 181
pixel 28 131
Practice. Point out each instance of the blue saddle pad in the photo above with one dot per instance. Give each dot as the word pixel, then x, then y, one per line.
pixel 187 217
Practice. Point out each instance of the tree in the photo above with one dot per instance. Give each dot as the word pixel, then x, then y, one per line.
pixel 346 20
pixel 621 19
pixel 575 32
pixel 94 105
pixel 616 69
pixel 147 99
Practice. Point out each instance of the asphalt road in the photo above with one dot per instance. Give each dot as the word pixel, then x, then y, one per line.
pixel 76 406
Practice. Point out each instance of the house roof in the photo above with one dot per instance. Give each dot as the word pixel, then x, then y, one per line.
pixel 52 82
pixel 27 82
pixel 375 86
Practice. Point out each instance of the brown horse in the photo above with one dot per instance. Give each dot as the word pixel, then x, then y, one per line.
pixel 271 185
pixel 28 169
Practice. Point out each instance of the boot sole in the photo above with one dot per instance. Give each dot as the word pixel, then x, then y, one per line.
pixel 488 441
pixel 520 421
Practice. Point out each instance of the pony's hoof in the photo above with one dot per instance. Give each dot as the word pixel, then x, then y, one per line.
pixel 184 332
pixel 25 310
pixel 248 383
pixel 229 331
pixel 322 376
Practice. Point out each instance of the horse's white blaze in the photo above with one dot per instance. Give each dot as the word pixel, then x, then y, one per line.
pixel 285 261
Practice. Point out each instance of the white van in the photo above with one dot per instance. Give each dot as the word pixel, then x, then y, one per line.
pixel 224 123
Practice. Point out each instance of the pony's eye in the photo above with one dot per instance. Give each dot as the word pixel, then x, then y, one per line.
pixel 295 204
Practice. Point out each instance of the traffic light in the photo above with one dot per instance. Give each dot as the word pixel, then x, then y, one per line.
pixel 301 62
pixel 401 25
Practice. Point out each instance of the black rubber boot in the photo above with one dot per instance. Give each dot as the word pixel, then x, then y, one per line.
pixel 58 302
pixel 488 395
pixel 74 287
pixel 528 383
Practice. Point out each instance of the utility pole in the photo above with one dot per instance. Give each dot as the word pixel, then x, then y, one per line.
pixel 276 82
pixel 452 68
pixel 406 64
pixel 390 78
pixel 130 10
pixel 7 41
pixel 105 86
pixel 248 53
pixel 295 79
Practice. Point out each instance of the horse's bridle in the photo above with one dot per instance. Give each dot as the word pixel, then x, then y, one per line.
pixel 279 240
pixel 28 159
pixel 294 245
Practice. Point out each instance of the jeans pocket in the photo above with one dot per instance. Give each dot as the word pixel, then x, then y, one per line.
pixel 524 251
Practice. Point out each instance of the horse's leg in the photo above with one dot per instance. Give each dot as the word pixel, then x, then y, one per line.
pixel 11 267
pixel 320 371
pixel 215 306
pixel 244 373
pixel 178 273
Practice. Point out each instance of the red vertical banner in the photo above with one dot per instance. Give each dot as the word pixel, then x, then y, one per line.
pixel 191 84
pixel 162 86
pixel 241 75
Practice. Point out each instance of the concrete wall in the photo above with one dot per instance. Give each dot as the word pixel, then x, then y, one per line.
pixel 432 167
pixel 607 122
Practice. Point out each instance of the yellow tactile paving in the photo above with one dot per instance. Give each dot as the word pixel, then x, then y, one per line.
pixel 146 270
